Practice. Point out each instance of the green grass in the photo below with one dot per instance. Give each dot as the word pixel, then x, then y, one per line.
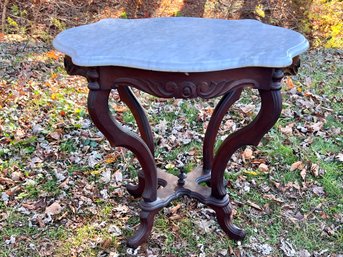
pixel 25 235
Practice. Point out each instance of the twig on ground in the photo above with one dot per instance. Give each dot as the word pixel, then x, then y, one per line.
pixel 3 21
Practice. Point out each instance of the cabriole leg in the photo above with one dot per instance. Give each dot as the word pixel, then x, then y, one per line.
pixel 212 129
pixel 271 105
pixel 127 96
pixel 117 135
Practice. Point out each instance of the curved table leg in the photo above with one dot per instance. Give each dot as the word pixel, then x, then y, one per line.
pixel 117 135
pixel 271 105
pixel 144 230
pixel 127 96
pixel 224 217
pixel 137 190
pixel 249 135
pixel 212 129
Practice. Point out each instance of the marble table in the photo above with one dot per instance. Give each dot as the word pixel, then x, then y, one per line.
pixel 185 58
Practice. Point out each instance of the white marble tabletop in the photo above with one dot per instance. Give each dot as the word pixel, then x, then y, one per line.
pixel 181 44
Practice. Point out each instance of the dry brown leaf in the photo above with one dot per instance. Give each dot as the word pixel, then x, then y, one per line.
pixel 272 197
pixel 52 55
pixel 289 83
pixel 119 108
pixel 317 126
pixel 17 176
pixel 110 158
pixel 40 222
pixel 175 208
pixel 20 133
pixel 247 154
pixel 2 37
pixel 175 217
pixel 29 206
pixel 339 157
pixel 315 169
pixel 248 109
pixel 288 130
pixel 6 181
pixel 297 165
pixel 54 209
pixel 118 175
pixel 209 111
pixel 106 243
pixel 55 135
pixel 303 173
pixel 263 167
pixel 254 205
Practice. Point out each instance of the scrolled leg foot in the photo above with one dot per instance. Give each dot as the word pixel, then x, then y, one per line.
pixel 144 230
pixel 224 217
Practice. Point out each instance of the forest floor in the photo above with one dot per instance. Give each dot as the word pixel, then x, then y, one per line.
pixel 62 186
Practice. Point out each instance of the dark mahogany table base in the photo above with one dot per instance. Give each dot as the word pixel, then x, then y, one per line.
pixel 156 187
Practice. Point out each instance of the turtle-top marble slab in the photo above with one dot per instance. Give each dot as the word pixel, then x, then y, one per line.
pixel 181 44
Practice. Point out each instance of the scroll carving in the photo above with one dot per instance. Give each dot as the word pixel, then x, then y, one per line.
pixel 186 89
pixel 90 73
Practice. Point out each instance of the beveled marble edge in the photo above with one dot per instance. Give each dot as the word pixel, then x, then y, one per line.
pixel 232 63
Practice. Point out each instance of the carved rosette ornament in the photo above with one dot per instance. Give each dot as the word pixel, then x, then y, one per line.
pixel 186 89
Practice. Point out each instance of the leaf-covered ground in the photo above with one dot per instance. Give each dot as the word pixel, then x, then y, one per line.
pixel 63 190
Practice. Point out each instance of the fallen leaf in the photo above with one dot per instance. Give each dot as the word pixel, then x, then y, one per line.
pixel 170 166
pixel 247 154
pixel 263 167
pixel 303 173
pixel 254 205
pixel 120 108
pixel 110 158
pixel 252 173
pixel 317 126
pixel 106 243
pixel 55 135
pixel 52 55
pixel 174 209
pixel 340 157
pixel 29 206
pixel 118 175
pixel 318 190
pixel 54 96
pixel 248 109
pixel 5 197
pixel 54 76
pixel 297 165
pixel 6 181
pixel 272 197
pixel 315 169
pixel 289 83
pixel 287 248
pixel 54 209
pixel 114 230
pixel 288 130
pixel 175 217
pixel 106 176
pixel 17 176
